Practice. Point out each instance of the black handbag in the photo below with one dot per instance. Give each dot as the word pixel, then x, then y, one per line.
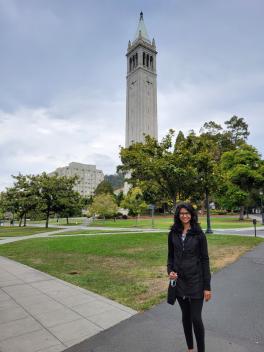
pixel 171 297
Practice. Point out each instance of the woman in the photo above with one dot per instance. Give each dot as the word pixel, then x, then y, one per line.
pixel 188 264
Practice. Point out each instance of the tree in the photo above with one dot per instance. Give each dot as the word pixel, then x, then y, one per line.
pixel 134 202
pixel 230 196
pixel 20 198
pixel 103 205
pixel 205 154
pixel 238 129
pixel 159 166
pixel 54 193
pixel 69 204
pixel 3 205
pixel 103 188
pixel 119 197
pixel 244 169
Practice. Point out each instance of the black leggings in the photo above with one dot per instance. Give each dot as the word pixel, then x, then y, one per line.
pixel 192 316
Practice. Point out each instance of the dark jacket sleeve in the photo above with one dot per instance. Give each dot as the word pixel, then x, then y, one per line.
pixel 205 263
pixel 170 261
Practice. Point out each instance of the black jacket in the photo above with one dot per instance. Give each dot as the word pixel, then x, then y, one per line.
pixel 189 259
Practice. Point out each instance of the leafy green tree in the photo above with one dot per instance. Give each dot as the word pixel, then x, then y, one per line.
pixel 238 129
pixel 3 205
pixel 207 173
pixel 20 198
pixel 134 202
pixel 103 205
pixel 244 170
pixel 54 193
pixel 160 166
pixel 69 204
pixel 103 188
pixel 119 197
pixel 230 196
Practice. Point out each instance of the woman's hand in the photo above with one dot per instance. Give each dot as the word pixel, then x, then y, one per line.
pixel 207 295
pixel 173 275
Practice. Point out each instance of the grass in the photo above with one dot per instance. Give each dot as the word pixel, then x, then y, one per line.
pixel 130 269
pixel 87 232
pixel 165 222
pixel 13 231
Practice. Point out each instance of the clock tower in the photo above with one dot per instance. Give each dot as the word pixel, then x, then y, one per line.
pixel 141 95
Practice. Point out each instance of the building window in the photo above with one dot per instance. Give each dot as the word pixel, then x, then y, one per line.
pixel 147 60
pixel 151 62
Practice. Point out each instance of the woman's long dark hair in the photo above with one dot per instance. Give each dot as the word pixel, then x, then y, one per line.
pixel 177 226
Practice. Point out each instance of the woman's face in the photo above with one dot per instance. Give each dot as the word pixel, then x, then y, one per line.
pixel 185 216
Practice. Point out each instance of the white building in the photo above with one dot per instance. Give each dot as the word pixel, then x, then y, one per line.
pixel 141 97
pixel 89 176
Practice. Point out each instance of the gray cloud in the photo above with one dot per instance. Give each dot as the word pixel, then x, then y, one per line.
pixel 62 87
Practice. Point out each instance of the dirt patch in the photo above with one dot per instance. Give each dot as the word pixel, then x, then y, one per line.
pixel 114 263
pixel 154 288
pixel 226 255
pixel 133 250
pixel 154 285
pixel 37 261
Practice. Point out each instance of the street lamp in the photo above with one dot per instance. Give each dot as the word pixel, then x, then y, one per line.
pixel 209 229
pixel 261 206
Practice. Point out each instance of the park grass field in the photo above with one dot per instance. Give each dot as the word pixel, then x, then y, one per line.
pixel 130 269
pixel 14 231
pixel 87 232
pixel 217 222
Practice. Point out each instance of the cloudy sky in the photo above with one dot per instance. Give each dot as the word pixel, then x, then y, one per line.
pixel 63 69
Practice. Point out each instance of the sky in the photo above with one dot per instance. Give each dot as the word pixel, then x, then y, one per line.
pixel 63 75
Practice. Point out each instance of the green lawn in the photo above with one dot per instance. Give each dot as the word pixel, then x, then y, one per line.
pixel 127 268
pixel 87 232
pixel 13 231
pixel 164 223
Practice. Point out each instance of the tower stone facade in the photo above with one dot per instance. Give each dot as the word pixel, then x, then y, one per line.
pixel 141 96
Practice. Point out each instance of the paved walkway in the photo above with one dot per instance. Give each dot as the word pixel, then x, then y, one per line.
pixel 39 313
pixel 234 318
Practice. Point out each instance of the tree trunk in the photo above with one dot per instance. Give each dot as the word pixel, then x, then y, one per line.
pixel 203 208
pixel 47 218
pixel 174 203
pixel 247 213
pixel 25 220
pixel 137 220
pixel 20 221
pixel 241 214
pixel 67 220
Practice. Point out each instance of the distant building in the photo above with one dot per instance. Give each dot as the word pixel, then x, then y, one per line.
pixel 89 176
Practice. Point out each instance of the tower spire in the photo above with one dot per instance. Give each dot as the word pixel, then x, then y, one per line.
pixel 142 28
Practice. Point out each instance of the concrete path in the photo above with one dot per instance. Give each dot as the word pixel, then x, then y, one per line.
pixel 39 313
pixel 234 318
pixel 249 232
